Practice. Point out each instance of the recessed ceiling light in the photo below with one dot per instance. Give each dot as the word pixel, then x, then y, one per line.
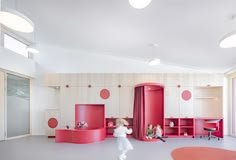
pixel 139 4
pixel 154 62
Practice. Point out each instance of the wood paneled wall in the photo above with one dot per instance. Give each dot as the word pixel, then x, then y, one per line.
pixel 85 89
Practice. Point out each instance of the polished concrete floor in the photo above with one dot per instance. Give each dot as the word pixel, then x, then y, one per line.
pixel 42 148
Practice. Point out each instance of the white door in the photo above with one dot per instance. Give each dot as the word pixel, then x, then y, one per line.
pixel 1 106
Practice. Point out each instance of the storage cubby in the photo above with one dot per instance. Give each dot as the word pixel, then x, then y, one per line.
pixel 182 127
pixel 170 130
pixel 186 127
pixel 111 125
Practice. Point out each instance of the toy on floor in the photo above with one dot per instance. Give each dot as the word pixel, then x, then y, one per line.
pixel 123 143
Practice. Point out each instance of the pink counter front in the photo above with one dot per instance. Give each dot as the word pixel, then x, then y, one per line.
pixel 80 136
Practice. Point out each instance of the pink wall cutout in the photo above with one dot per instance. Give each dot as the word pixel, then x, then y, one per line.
pixel 52 122
pixel 104 94
pixel 186 95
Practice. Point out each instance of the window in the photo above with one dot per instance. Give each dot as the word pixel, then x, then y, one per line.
pixel 15 45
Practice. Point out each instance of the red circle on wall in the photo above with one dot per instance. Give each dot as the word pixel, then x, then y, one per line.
pixel 186 95
pixel 52 122
pixel 104 94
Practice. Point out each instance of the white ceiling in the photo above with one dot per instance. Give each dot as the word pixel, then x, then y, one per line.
pixel 187 32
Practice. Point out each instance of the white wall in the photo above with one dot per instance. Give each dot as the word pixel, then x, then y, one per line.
pixel 16 63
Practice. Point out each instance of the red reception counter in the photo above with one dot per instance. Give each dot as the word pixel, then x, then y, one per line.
pixel 80 136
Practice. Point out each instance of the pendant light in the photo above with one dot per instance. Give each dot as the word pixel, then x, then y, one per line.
pixel 139 4
pixel 229 40
pixel 16 20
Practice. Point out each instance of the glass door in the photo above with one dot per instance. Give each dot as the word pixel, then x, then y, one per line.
pixel 18 106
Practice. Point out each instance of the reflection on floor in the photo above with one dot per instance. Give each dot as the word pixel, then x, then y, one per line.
pixel 40 148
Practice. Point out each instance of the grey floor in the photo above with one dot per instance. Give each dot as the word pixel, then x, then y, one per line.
pixel 42 148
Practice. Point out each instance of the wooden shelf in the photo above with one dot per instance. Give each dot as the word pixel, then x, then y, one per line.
pixel 215 98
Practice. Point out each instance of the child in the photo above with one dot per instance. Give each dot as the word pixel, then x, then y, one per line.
pixel 123 143
pixel 159 133
pixel 149 132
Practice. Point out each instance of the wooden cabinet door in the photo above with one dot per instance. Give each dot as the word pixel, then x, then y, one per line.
pixel 112 103
pixel 126 101
pixel 171 106
pixel 186 102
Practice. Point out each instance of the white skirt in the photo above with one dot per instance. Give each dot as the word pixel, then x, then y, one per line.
pixel 124 144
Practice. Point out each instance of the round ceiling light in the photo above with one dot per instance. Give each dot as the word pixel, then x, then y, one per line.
pixel 139 4
pixel 229 41
pixel 16 21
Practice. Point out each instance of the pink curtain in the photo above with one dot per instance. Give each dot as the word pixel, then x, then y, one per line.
pixel 138 114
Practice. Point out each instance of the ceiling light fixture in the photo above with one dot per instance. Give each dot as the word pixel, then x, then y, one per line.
pixel 154 62
pixel 139 4
pixel 229 40
pixel 16 21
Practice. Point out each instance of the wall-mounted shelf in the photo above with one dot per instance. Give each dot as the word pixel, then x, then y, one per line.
pixel 215 98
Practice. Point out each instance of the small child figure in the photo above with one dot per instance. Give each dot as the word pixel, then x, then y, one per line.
pixel 159 133
pixel 123 143
pixel 149 132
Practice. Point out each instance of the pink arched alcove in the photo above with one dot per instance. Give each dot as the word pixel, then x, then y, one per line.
pixel 148 108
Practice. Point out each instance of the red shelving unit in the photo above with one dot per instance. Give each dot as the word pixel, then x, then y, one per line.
pixel 191 127
pixel 171 131
pixel 182 127
pixel 186 127
pixel 110 126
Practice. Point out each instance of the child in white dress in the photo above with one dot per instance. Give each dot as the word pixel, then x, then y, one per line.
pixel 123 143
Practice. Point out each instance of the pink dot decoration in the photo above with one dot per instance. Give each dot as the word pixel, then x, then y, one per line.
pixel 67 86
pixel 89 86
pixel 104 94
pixel 186 95
pixel 119 86
pixel 178 85
pixel 52 123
